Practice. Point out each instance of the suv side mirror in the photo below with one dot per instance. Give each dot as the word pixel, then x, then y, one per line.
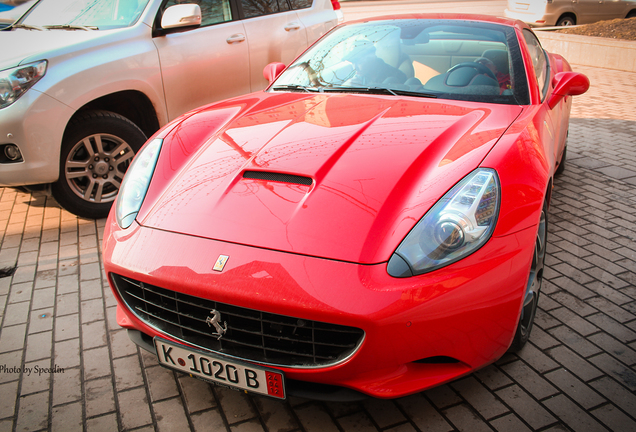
pixel 567 84
pixel 183 15
pixel 272 71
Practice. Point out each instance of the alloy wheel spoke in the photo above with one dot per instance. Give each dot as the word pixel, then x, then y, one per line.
pixel 125 157
pixel 86 142
pixel 99 191
pixel 89 189
pixel 119 173
pixel 100 146
pixel 77 174
pixel 76 165
pixel 120 150
pixel 115 182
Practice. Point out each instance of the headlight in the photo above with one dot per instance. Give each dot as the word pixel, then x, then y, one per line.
pixel 135 185
pixel 16 81
pixel 456 226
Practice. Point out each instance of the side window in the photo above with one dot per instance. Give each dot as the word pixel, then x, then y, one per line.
pixel 300 4
pixel 539 61
pixel 212 11
pixel 254 8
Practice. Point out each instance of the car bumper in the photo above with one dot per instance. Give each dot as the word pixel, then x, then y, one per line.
pixel 535 19
pixel 466 312
pixel 35 123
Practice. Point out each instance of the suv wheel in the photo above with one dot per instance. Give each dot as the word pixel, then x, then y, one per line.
pixel 97 149
pixel 566 20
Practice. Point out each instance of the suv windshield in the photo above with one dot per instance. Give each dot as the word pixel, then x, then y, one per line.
pixel 91 14
pixel 463 60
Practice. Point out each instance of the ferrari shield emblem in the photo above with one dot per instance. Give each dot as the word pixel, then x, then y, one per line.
pixel 220 262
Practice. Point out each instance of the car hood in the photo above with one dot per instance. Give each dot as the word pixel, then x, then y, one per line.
pixel 24 46
pixel 336 176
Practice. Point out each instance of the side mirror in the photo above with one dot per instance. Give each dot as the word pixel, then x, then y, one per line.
pixel 272 70
pixel 567 84
pixel 183 15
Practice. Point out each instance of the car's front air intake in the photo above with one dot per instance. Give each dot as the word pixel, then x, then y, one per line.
pixel 251 334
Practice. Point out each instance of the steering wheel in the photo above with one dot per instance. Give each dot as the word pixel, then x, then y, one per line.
pixel 477 66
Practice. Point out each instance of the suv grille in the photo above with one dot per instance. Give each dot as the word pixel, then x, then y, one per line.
pixel 251 334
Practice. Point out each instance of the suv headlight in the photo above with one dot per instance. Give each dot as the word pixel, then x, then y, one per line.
pixel 135 184
pixel 16 81
pixel 457 225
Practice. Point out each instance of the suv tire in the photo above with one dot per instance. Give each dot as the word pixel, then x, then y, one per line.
pixel 97 149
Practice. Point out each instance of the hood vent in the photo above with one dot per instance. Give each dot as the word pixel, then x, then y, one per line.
pixel 278 177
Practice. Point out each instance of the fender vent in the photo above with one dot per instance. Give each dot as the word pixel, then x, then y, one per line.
pixel 278 177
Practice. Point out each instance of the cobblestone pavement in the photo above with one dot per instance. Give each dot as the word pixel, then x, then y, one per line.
pixel 577 373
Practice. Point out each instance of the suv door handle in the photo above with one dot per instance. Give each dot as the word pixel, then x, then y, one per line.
pixel 236 38
pixel 292 26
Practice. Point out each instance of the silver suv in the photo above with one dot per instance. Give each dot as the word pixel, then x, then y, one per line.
pixel 84 83
pixel 541 13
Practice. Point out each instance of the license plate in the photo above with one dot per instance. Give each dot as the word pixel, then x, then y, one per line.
pixel 221 370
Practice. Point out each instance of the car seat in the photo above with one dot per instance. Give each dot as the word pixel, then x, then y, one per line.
pixel 389 49
pixel 499 58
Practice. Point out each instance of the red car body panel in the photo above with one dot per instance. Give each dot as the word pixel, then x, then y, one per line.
pixel 320 252
pixel 404 320
pixel 378 164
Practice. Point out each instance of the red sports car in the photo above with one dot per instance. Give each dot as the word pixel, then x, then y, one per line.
pixel 374 223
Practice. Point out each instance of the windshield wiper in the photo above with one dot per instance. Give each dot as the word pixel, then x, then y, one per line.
pixel 26 27
pixel 379 90
pixel 371 90
pixel 293 87
pixel 70 27
pixel 415 93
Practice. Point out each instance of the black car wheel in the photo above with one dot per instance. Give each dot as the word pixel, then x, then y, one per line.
pixel 566 20
pixel 96 151
pixel 533 288
pixel 561 166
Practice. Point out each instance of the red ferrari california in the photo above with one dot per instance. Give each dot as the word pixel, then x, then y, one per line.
pixel 372 224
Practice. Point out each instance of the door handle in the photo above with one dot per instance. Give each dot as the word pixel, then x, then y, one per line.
pixel 236 38
pixel 292 26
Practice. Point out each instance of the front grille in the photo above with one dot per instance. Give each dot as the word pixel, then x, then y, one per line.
pixel 251 334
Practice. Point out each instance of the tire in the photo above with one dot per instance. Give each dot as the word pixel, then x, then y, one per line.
pixel 631 14
pixel 97 148
pixel 561 166
pixel 533 287
pixel 566 20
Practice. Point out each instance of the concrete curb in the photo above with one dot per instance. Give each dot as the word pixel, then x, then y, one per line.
pixel 591 51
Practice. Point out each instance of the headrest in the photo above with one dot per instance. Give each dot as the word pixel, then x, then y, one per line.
pixel 499 58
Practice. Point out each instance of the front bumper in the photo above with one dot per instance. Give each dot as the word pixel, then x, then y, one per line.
pixel 35 123
pixel 466 312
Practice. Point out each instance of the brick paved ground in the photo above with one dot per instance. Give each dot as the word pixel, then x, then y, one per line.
pixel 577 373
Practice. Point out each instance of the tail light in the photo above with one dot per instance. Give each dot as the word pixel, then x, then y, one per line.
pixel 335 4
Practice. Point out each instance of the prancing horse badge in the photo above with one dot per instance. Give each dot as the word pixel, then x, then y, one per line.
pixel 220 262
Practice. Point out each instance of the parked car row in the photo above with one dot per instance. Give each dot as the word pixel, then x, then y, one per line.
pixel 546 13
pixel 83 84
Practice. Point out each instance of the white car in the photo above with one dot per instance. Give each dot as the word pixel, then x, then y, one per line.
pixel 83 83
pixel 542 13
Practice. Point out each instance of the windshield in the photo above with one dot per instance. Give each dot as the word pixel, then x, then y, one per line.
pixel 443 58
pixel 95 14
